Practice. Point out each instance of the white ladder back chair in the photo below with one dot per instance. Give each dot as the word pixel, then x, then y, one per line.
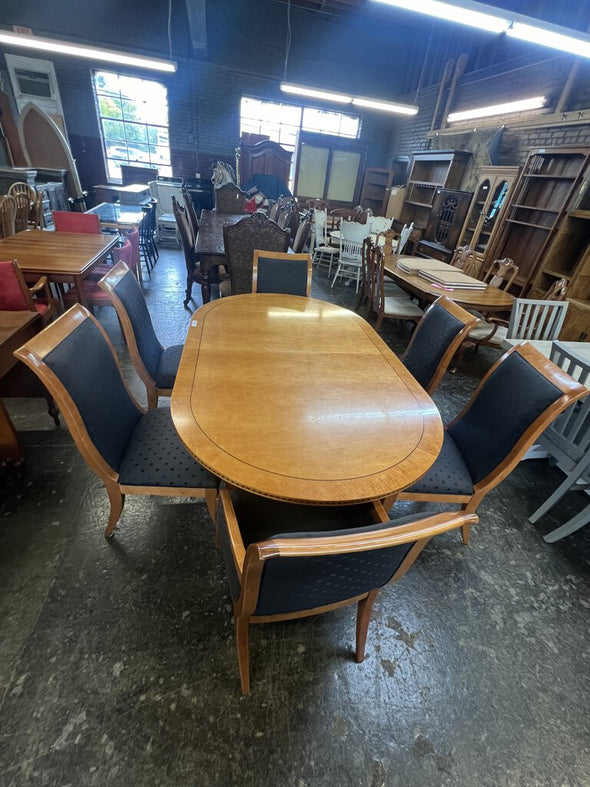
pixel 323 253
pixel 404 236
pixel 352 235
pixel 379 224
pixel 567 440
pixel 536 320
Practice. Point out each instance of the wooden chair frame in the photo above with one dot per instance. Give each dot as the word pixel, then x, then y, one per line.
pixel 571 392
pixel 249 563
pixel 33 354
pixel 40 286
pixel 278 255
pixel 109 283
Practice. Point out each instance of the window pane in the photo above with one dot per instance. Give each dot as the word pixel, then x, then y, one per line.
pixel 113 129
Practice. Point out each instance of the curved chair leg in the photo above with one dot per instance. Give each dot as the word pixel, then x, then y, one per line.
pixel 241 628
pixel 152 398
pixel 211 498
pixel 117 501
pixel 379 321
pixel 363 616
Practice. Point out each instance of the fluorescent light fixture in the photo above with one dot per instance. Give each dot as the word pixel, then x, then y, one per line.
pixel 313 93
pixel 498 109
pixel 472 14
pixel 91 52
pixel 385 106
pixel 359 101
pixel 500 20
pixel 554 40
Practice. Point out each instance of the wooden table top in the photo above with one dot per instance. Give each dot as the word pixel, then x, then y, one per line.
pixel 61 253
pixel 299 399
pixel 15 329
pixel 210 236
pixel 489 300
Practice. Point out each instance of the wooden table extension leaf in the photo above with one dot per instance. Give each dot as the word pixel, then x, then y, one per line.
pixel 298 399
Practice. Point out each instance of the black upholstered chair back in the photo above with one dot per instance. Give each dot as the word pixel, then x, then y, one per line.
pixel 240 241
pixel 290 274
pixel 85 365
pixel 510 400
pixel 129 293
pixel 229 199
pixel 433 334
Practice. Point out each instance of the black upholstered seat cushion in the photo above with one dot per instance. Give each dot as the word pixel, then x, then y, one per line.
pixel 84 363
pixel 282 276
pixel 291 584
pixel 435 331
pixel 156 457
pixel 449 475
pixel 148 345
pixel 168 366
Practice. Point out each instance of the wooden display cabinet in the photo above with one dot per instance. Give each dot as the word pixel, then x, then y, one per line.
pixel 490 200
pixel 449 208
pixel 376 189
pixel 549 180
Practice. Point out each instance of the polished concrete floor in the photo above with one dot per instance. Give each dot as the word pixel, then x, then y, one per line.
pixel 117 662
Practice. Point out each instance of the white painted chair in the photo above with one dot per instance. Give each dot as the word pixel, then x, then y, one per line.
pixel 567 440
pixel 378 224
pixel 536 320
pixel 349 267
pixel 323 253
pixel 163 191
pixel 404 237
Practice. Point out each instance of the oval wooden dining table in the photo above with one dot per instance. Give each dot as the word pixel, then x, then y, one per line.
pixel 299 399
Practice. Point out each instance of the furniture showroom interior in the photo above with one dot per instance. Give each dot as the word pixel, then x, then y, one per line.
pixel 294 376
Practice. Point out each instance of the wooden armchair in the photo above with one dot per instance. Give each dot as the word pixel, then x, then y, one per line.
pixel 7 215
pixel 16 295
pixel 132 451
pixel 287 561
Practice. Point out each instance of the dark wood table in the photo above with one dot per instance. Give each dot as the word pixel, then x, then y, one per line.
pixel 209 248
pixel 490 299
pixel 15 329
pixel 64 257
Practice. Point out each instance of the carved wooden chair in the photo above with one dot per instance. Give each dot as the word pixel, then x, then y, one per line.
pixel 389 304
pixel 187 237
pixel 7 215
pixel 435 341
pixel 285 273
pixel 229 199
pixel 302 236
pixel 492 329
pixel 514 403
pixel 191 213
pixel 287 561
pixel 132 451
pixel 557 291
pixel 156 365
pixel 16 295
pixel 252 232
pixel 69 221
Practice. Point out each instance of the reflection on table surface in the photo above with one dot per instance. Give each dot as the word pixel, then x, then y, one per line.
pixel 117 213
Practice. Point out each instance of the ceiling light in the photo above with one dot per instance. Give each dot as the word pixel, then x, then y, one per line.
pixel 385 106
pixel 359 101
pixel 91 52
pixel 501 20
pixel 498 109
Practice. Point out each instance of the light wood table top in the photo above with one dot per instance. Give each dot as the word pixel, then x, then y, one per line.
pixel 299 399
pixel 491 299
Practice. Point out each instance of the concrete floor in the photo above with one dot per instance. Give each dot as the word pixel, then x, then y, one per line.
pixel 117 662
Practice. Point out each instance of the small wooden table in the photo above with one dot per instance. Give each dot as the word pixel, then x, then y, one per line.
pixel 210 248
pixel 61 256
pixel 491 299
pixel 300 400
pixel 15 329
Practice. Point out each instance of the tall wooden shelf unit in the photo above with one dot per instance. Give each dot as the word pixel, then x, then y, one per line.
pixel 568 257
pixel 535 216
pixel 431 170
pixel 376 189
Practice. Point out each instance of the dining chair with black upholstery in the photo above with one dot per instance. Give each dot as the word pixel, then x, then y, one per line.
pixel 288 561
pixel 241 240
pixel 435 341
pixel 156 365
pixel 280 272
pixel 132 451
pixel 515 401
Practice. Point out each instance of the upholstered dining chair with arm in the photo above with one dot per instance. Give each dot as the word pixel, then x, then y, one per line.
pixel 515 401
pixel 287 561
pixel 255 231
pixel 285 273
pixel 156 365
pixel 132 451
pixel 69 221
pixel 230 199
pixel 435 341
pixel 16 295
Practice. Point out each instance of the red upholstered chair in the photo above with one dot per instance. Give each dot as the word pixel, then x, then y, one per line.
pixel 85 223
pixel 128 252
pixel 17 296
pixel 95 296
